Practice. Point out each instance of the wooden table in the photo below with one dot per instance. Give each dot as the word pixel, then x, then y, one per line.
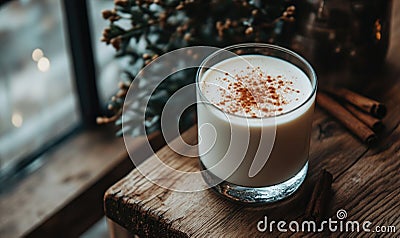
pixel 366 180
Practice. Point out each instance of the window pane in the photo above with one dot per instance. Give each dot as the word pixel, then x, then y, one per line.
pixel 107 67
pixel 37 100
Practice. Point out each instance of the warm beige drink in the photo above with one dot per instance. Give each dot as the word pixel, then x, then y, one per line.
pixel 260 111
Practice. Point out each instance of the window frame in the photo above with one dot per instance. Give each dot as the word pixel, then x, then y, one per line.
pixel 81 49
pixel 79 45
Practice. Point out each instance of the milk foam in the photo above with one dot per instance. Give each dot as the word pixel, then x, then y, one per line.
pixel 255 86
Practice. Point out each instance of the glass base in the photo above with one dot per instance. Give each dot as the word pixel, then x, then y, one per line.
pixel 259 195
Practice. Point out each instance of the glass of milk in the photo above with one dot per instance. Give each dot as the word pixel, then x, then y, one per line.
pixel 255 108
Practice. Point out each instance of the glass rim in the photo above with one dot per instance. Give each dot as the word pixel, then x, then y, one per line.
pixel 313 77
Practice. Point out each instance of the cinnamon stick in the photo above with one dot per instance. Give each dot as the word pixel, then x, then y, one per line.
pixel 346 118
pixel 372 122
pixel 320 197
pixel 368 105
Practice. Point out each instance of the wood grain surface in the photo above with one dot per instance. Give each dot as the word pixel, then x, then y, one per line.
pixel 366 180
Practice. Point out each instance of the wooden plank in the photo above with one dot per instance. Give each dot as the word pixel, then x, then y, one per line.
pixel 135 201
pixel 68 188
pixel 137 204
pixel 366 181
pixel 42 193
pixel 369 188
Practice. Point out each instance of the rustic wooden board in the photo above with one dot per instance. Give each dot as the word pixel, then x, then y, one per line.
pixel 68 171
pixel 147 209
pixel 366 180
pixel 365 185
pixel 75 175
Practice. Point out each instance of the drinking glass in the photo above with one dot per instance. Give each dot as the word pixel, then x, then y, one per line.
pixel 254 159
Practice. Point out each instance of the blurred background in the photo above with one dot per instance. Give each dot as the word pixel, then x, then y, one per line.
pixel 39 101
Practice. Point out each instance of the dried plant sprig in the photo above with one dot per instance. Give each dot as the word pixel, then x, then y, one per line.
pixel 144 29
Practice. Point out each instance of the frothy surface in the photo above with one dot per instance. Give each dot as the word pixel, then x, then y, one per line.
pixel 255 86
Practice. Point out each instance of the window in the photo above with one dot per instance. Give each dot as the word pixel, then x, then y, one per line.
pixel 42 74
pixel 38 102
pixel 107 68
